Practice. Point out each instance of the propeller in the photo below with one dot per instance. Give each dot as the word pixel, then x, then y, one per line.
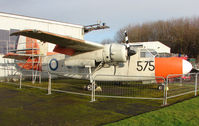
pixel 129 51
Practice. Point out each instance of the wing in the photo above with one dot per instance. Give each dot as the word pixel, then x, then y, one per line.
pixel 19 56
pixel 80 46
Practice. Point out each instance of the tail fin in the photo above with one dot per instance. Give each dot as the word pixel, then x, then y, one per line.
pixel 29 46
pixel 26 45
pixel 32 46
pixel 25 49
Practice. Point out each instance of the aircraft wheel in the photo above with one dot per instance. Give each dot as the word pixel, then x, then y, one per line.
pixel 89 87
pixel 160 87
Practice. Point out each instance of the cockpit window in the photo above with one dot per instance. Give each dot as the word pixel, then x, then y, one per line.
pixel 144 53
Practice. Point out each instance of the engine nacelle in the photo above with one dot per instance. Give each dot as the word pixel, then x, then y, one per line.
pixel 114 53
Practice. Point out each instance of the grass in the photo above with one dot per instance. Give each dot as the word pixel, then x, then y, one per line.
pixel 30 106
pixel 180 114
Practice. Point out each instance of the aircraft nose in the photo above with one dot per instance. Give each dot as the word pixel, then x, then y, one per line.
pixel 186 67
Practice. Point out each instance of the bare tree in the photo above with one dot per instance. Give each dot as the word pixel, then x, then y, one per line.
pixel 107 41
pixel 182 34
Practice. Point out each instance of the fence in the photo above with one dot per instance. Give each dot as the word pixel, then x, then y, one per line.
pixel 156 89
pixel 179 85
pixel 50 82
pixel 128 87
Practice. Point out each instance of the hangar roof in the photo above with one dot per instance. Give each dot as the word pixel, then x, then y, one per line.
pixel 38 19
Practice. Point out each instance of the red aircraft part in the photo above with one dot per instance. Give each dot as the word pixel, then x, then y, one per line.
pixel 32 43
pixel 31 64
pixel 67 51
pixel 166 66
pixel 171 65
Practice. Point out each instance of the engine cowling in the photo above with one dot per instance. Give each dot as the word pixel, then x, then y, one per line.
pixel 114 53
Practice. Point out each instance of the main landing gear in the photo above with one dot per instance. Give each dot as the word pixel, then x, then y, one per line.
pixel 89 86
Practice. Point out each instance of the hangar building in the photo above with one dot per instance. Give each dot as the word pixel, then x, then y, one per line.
pixel 10 23
pixel 156 45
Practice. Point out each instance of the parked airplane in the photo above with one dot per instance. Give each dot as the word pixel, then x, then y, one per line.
pixel 77 58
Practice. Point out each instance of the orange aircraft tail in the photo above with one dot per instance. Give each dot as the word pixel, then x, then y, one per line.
pixel 32 63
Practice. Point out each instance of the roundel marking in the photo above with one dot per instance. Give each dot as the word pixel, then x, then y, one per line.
pixel 53 64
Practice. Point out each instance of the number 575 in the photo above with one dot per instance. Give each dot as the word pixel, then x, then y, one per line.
pixel 143 65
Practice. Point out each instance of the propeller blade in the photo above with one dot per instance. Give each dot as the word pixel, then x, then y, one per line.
pixel 130 52
pixel 126 37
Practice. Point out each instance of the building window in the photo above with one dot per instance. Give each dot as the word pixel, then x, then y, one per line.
pixel 7 42
pixel 4 39
pixel 13 40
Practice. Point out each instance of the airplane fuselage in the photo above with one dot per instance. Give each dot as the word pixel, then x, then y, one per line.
pixel 138 67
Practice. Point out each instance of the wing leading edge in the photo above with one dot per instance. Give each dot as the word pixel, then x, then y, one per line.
pixel 19 56
pixel 80 46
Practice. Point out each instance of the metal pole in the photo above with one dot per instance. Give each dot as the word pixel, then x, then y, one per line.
pixel 49 84
pixel 91 82
pixel 93 91
pixel 32 62
pixel 167 81
pixel 40 69
pixel 196 84
pixel 90 74
pixel 20 81
pixel 40 77
pixel 164 93
pixel 7 71
pixel 92 94
pixel 181 79
pixel 4 70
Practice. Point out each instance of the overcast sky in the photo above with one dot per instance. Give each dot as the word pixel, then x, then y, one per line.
pixel 116 13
